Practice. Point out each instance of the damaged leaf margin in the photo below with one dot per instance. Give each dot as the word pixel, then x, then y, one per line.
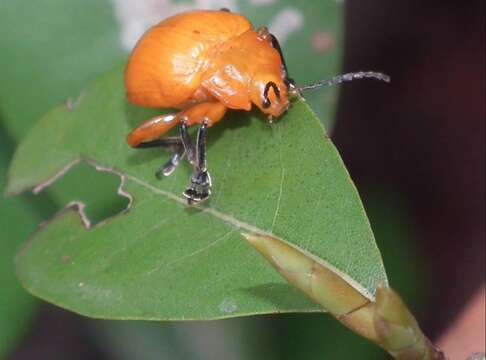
pixel 75 213
pixel 80 206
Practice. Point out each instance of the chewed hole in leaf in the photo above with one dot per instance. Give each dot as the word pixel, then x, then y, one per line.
pixel 96 192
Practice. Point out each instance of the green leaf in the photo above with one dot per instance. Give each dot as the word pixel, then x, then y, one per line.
pixel 16 306
pixel 164 260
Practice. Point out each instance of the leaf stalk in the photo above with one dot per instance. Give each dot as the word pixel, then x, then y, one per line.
pixel 383 318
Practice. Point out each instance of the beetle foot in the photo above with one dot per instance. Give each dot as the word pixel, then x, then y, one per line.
pixel 165 170
pixel 200 188
pixel 169 167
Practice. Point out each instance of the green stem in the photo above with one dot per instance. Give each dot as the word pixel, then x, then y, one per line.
pixel 383 319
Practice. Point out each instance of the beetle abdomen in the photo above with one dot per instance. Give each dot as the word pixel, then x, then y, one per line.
pixel 167 64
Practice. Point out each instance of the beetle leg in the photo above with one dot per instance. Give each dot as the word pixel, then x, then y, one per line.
pixel 188 144
pixel 169 167
pixel 202 164
pixel 172 143
pixel 200 187
pixel 152 129
pixel 167 143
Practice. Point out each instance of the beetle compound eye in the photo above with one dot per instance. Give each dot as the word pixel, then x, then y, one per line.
pixel 276 90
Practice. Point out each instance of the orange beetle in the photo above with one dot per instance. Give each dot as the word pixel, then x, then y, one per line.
pixel 204 63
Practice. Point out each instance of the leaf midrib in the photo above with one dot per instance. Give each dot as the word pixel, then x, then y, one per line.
pixel 237 224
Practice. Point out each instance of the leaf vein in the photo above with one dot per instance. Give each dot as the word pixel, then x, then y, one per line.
pixel 194 253
pixel 282 178
pixel 238 224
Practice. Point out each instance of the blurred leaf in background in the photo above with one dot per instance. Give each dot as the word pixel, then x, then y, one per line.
pixel 18 218
pixel 50 49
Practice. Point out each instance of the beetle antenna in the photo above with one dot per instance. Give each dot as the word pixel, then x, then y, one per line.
pixel 344 78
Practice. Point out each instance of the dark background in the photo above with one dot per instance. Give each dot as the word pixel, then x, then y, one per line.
pixel 427 142
pixel 422 148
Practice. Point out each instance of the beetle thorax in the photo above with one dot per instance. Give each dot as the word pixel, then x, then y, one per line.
pixel 238 71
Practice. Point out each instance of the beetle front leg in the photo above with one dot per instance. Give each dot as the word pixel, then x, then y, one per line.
pixel 187 143
pixel 174 145
pixel 200 186
pixel 169 167
pixel 166 143
pixel 206 114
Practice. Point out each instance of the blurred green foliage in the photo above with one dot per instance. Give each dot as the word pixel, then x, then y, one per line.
pixel 18 218
pixel 50 49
